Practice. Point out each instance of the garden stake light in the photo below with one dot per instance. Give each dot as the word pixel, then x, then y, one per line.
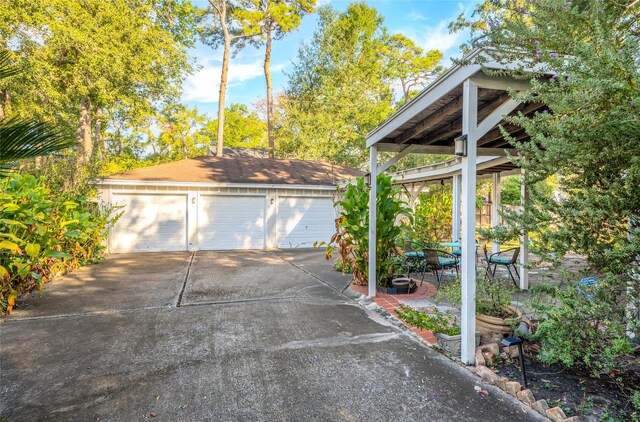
pixel 514 341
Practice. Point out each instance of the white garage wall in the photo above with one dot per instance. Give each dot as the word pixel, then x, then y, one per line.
pixel 198 194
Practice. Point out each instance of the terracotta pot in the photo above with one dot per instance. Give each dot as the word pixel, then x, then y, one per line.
pixel 494 329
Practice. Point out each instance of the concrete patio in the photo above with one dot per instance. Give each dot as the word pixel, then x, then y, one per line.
pixel 224 336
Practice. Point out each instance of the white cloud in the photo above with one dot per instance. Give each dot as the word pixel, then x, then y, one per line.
pixel 204 85
pixel 416 16
pixel 439 38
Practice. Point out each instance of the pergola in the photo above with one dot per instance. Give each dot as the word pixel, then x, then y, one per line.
pixel 464 102
pixel 415 180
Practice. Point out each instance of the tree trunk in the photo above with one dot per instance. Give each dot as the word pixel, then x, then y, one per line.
pixel 98 147
pixel 83 132
pixel 223 78
pixel 267 75
pixel 185 147
pixel 4 103
pixel 405 91
pixel 152 141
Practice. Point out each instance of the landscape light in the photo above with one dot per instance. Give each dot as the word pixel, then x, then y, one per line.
pixel 514 341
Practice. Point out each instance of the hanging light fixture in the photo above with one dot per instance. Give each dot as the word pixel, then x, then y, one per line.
pixel 460 144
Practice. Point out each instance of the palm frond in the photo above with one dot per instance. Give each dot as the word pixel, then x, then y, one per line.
pixel 21 138
pixel 6 68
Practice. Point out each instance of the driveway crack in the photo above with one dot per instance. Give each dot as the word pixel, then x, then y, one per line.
pixel 184 283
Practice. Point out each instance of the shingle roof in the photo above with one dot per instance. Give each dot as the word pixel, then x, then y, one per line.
pixel 241 170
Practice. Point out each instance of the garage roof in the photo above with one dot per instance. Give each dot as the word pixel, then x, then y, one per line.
pixel 241 170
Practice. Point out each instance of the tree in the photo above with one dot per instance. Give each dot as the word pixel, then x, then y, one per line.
pixel 226 29
pixel 339 89
pixel 181 133
pixel 242 129
pixel 25 138
pixel 272 19
pixel 587 57
pixel 85 56
pixel 410 64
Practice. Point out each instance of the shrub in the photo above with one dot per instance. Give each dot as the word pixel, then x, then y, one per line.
pixel 44 233
pixel 436 322
pixel 352 228
pixel 588 327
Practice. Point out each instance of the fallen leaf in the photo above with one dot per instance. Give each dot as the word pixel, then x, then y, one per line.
pixel 153 414
pixel 183 406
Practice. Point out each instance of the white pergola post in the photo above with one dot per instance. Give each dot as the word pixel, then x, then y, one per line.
pixel 524 240
pixel 455 217
pixel 469 126
pixel 495 208
pixel 373 252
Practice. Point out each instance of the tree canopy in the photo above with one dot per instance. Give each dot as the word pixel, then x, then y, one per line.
pixel 587 58
pixel 341 86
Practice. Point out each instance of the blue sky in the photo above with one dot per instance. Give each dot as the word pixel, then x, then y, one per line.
pixel 424 21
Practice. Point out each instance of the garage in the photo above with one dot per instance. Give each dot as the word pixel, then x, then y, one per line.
pixel 231 222
pixel 302 221
pixel 151 223
pixel 224 203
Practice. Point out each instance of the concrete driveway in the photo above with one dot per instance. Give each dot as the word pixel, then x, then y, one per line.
pixel 217 336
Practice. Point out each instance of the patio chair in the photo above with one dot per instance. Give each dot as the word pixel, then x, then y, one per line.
pixel 414 259
pixel 437 261
pixel 496 259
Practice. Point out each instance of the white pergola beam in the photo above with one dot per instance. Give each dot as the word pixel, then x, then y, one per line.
pixel 468 315
pixel 496 205
pixel 496 116
pixel 524 240
pixel 499 82
pixel 373 253
pixel 395 159
pixel 446 150
pixel 455 217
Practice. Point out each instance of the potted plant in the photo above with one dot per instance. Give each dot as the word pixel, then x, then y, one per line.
pixel 443 324
pixel 495 316
pixel 397 281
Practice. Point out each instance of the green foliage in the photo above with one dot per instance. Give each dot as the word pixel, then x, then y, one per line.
pixel 339 88
pixel 44 233
pixel 432 220
pixel 344 267
pixel 586 55
pixel 117 60
pixel 492 297
pixel 352 236
pixel 409 64
pixel 242 128
pixel 591 330
pixel 436 321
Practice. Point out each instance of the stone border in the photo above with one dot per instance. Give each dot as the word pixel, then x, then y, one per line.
pixel 514 388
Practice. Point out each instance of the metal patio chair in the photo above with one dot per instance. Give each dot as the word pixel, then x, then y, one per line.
pixel 437 261
pixel 414 259
pixel 496 259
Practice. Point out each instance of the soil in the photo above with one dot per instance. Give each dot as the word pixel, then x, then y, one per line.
pixel 606 398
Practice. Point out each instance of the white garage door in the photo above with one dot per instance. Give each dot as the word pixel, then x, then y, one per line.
pixel 302 221
pixel 231 222
pixel 150 223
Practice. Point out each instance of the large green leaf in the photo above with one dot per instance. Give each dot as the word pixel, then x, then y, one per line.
pixel 50 253
pixel 32 249
pixel 13 247
pixel 22 138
